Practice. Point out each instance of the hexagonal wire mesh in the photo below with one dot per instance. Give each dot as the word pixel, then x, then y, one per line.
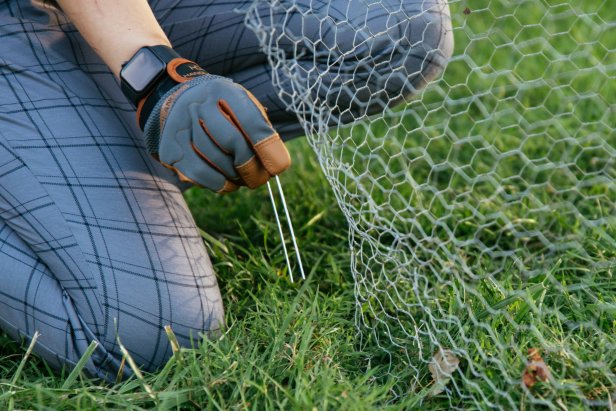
pixel 481 208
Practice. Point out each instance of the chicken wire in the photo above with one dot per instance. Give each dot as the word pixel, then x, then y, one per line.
pixel 480 197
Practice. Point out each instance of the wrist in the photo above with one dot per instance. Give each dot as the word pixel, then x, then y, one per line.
pixel 150 73
pixel 178 71
pixel 129 48
pixel 147 104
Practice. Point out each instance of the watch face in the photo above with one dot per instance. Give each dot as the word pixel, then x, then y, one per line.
pixel 142 69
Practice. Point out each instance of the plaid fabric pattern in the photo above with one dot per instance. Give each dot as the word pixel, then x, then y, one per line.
pixel 95 237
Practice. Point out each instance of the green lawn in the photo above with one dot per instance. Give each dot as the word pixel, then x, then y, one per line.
pixel 539 119
pixel 288 345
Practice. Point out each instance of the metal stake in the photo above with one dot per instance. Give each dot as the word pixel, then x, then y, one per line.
pixel 281 231
pixel 282 238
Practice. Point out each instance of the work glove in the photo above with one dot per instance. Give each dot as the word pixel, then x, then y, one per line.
pixel 211 131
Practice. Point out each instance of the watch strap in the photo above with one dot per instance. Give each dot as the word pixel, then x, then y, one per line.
pixel 178 70
pixel 147 104
pixel 164 53
pixel 182 70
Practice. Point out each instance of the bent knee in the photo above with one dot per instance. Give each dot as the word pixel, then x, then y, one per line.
pixel 412 48
pixel 430 43
pixel 395 49
pixel 150 344
pixel 188 301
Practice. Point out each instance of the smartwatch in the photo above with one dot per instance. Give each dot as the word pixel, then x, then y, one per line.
pixel 144 70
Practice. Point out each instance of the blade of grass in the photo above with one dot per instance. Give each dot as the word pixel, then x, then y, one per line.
pixel 214 241
pixel 175 345
pixel 136 370
pixel 20 368
pixel 79 366
pixel 121 371
pixel 505 302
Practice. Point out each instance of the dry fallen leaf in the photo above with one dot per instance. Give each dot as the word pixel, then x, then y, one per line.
pixel 444 363
pixel 536 369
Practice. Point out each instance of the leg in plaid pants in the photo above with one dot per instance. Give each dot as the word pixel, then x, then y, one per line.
pixel 95 237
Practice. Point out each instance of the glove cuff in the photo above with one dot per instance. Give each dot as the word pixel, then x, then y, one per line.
pixel 178 71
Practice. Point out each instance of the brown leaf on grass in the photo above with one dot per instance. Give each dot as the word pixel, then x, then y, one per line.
pixel 536 369
pixel 444 363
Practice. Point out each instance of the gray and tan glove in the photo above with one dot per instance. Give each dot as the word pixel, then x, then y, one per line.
pixel 210 131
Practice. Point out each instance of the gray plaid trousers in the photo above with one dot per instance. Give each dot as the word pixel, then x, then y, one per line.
pixel 96 240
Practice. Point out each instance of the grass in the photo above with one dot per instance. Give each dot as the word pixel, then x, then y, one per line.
pixel 287 346
pixel 537 118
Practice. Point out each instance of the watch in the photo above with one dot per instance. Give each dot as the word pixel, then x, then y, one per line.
pixel 144 70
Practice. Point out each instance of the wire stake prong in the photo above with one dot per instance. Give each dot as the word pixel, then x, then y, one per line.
pixel 290 224
pixel 280 231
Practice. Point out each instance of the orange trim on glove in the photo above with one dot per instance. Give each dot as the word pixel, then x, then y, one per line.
pixel 194 70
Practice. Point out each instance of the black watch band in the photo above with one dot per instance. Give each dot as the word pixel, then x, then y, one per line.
pixel 144 71
pixel 151 73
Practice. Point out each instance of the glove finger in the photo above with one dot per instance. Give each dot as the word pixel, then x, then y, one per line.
pixel 191 168
pixel 243 110
pixel 176 147
pixel 253 173
pixel 211 151
pixel 225 135
pixel 196 108
pixel 203 174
